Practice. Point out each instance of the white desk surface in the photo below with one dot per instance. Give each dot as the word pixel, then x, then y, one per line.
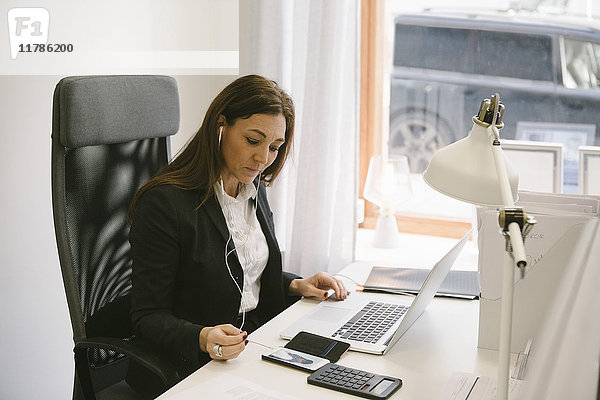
pixel 442 341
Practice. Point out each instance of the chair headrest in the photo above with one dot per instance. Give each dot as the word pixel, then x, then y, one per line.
pixel 93 110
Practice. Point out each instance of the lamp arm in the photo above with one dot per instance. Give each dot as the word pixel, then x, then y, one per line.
pixel 507 197
pixel 518 246
pixel 512 229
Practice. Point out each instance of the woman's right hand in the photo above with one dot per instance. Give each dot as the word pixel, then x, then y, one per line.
pixel 231 339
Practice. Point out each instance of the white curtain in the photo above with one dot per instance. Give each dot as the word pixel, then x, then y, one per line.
pixel 310 48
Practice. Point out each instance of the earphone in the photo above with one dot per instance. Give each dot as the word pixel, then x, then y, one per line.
pixel 220 134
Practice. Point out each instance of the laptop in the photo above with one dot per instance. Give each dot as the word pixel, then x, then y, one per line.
pixel 369 325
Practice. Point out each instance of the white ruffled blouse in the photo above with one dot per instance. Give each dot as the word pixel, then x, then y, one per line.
pixel 248 238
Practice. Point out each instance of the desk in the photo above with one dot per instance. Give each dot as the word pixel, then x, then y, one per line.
pixel 442 341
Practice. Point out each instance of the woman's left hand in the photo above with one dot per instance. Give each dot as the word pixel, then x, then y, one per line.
pixel 318 285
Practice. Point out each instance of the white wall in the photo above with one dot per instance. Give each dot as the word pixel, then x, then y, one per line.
pixel 36 338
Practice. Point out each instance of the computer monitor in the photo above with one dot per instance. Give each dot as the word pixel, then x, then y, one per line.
pixel 547 175
pixel 589 169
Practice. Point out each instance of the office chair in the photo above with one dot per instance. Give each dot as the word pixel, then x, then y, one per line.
pixel 109 136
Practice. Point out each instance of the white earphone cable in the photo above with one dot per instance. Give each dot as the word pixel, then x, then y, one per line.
pixel 227 253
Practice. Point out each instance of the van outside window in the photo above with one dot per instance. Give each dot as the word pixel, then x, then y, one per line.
pixel 547 76
pixel 471 51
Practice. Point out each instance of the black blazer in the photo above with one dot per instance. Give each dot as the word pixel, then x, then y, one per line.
pixel 180 281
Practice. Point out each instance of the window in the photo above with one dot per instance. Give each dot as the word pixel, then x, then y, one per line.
pixel 373 136
pixel 425 74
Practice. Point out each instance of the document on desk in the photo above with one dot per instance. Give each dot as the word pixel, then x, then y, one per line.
pixel 230 387
pixel 463 284
pixel 467 386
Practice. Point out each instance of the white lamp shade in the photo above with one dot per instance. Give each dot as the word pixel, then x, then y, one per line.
pixel 466 170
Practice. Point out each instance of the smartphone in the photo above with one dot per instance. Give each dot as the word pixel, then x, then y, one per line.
pixel 319 346
pixel 295 359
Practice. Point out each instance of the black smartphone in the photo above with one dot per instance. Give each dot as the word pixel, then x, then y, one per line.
pixel 317 345
pixel 295 359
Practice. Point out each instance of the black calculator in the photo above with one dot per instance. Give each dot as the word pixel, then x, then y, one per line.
pixel 354 381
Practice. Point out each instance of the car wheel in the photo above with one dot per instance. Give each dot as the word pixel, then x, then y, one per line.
pixel 417 133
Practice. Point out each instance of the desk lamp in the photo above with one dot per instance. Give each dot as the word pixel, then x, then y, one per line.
pixel 475 170
pixel 387 186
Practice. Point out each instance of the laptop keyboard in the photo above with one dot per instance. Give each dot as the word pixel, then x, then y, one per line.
pixel 371 322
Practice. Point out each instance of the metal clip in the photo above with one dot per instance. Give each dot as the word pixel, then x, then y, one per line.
pixel 525 222
pixel 488 107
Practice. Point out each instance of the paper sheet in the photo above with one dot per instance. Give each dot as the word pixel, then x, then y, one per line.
pixel 466 386
pixel 230 387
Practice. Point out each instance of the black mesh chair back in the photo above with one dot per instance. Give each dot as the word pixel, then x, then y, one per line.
pixel 109 136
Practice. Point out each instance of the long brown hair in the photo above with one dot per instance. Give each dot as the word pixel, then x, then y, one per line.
pixel 200 164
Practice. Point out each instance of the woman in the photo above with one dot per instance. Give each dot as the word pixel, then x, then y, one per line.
pixel 206 264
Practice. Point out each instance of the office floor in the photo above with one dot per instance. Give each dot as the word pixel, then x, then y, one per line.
pixel 415 251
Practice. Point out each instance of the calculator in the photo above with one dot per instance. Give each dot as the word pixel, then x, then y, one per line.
pixel 354 381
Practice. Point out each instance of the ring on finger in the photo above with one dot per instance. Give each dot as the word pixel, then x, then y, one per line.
pixel 218 350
